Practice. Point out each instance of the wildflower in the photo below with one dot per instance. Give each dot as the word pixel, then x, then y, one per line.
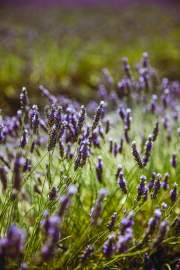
pixel 61 148
pixel 110 145
pixel 173 161
pixel 97 209
pixel 112 221
pixel 52 235
pixel 173 193
pixel 24 139
pixel 119 169
pixel 98 115
pixel 123 240
pixel 136 154
pixel 34 118
pixel 163 229
pixel 107 127
pixel 12 245
pixel 24 100
pixel 165 184
pixel 121 145
pixel 152 180
pixel 153 222
pixel 157 186
pixel 87 253
pixel 155 132
pixel 141 187
pixel 3 177
pixel 81 119
pixel 122 182
pixel 109 246
pixel 99 169
pixel 18 167
pixel 65 200
pixel 148 149
pixel 52 138
pixel 52 194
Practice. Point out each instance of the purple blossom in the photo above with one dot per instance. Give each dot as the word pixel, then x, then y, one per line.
pixel 99 169
pixel 173 193
pixel 109 246
pixel 122 182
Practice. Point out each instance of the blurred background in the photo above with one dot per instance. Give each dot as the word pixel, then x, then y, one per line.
pixel 64 44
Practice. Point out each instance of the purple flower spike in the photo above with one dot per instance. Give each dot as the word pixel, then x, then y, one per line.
pixel 152 180
pixel 141 187
pixel 24 100
pixel 136 155
pixel 157 186
pixel 148 150
pixel 174 161
pixel 109 246
pixel 24 139
pixel 99 169
pixel 112 221
pixel 173 193
pixel 163 229
pixel 98 115
pixel 97 209
pixel 12 245
pixel 155 132
pixel 3 177
pixel 122 182
pixel 153 222
pixel 87 253
pixel 165 184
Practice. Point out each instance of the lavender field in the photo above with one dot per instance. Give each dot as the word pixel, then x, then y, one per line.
pixel 90 181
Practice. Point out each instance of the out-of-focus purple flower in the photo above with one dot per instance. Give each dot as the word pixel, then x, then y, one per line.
pixel 157 186
pixel 141 187
pixel 97 209
pixel 65 200
pixel 34 118
pixel 136 155
pixel 123 240
pixel 152 180
pixel 174 161
pixel 98 115
pixel 153 222
pixel 87 253
pixel 122 182
pixel 99 169
pixel 18 167
pixel 155 131
pixel 164 183
pixel 24 138
pixel 112 221
pixel 107 126
pixel 173 193
pixel 163 229
pixel 148 150
pixel 3 177
pixel 109 246
pixel 52 194
pixel 24 100
pixel 12 245
pixel 52 138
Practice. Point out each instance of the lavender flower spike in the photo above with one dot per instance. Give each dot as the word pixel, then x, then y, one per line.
pixel 173 193
pixel 97 209
pixel 98 115
pixel 99 169
pixel 136 155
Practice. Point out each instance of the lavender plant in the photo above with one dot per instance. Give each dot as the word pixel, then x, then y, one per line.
pixel 65 201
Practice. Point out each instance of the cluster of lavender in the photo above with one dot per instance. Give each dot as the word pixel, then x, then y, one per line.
pixel 44 152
